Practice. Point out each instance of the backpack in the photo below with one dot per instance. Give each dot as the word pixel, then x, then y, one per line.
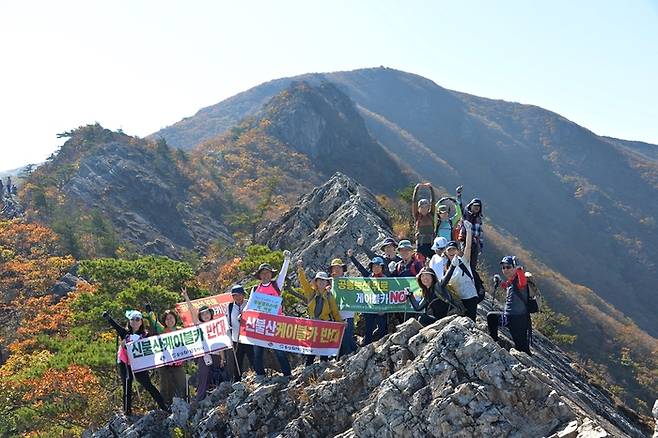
pixel 479 285
pixel 534 295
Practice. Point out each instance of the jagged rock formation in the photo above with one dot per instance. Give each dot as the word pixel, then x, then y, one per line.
pixel 10 207
pixel 327 221
pixel 448 379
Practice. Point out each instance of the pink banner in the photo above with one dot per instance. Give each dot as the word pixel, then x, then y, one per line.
pixel 294 335
pixel 218 304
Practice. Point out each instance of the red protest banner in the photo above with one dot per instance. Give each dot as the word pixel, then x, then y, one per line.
pixel 294 335
pixel 218 304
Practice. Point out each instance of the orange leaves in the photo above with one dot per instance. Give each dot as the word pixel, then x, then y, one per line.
pixel 221 277
pixel 28 240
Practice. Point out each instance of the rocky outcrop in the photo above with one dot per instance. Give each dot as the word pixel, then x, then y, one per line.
pixel 10 207
pixel 327 222
pixel 448 379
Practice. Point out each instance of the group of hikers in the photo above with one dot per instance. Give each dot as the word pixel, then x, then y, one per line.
pixel 9 186
pixel 443 261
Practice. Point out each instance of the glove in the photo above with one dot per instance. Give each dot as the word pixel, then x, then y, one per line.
pixel 148 307
pixel 287 254
pixel 360 241
pixel 455 261
pixel 106 314
pixel 496 281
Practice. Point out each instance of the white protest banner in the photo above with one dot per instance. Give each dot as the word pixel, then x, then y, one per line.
pixel 179 345
pixel 263 303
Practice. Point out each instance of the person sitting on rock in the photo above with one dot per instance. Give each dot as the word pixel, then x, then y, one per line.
pixel 234 316
pixel 173 381
pixel 422 211
pixel 321 304
pixel 437 300
pixel 338 268
pixel 266 286
pixel 389 249
pixel 132 332
pixel 207 362
pixel 446 226
pixel 438 260
pixel 516 316
pixel 376 324
pixel 462 280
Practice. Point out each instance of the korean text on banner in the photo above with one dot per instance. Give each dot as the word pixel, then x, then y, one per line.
pixel 179 345
pixel 218 304
pixel 294 335
pixel 375 295
pixel 264 303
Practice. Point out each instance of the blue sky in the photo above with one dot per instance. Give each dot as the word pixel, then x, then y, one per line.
pixel 142 65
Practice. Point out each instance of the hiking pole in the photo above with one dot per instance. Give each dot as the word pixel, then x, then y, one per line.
pixel 496 283
pixel 235 357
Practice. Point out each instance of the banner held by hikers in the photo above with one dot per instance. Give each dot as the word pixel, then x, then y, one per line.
pixel 263 303
pixel 188 343
pixel 218 304
pixel 375 295
pixel 294 335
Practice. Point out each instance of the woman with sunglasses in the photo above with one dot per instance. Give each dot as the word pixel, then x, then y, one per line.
pixel 516 316
pixel 133 331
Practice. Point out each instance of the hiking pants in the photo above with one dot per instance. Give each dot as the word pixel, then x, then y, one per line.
pixel 348 345
pixel 518 327
pixel 241 350
pixel 471 305
pixel 144 380
pixel 172 383
pixel 203 376
pixel 374 321
pixel 280 357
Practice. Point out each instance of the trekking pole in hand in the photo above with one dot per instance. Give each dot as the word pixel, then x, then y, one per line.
pixel 496 283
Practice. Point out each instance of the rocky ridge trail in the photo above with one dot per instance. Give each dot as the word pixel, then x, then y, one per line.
pixel 448 379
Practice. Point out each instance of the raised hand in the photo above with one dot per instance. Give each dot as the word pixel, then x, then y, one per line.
pixel 287 254
pixel 360 241
pixel 350 252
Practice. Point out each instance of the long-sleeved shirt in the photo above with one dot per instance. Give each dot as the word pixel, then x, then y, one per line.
pixel 269 289
pixel 461 282
pixel 517 294
pixel 328 310
pixel 438 293
pixel 424 223
pixel 445 228
pixel 371 255
pixel 126 336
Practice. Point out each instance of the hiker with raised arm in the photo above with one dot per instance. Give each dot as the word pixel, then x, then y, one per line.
pixel 437 301
pixel 338 268
pixel 376 324
pixel 447 226
pixel 321 304
pixel 519 304
pixel 389 254
pixel 473 215
pixel 461 279
pixel 173 382
pixel 133 331
pixel 234 316
pixel 422 211
pixel 208 361
pixel 264 274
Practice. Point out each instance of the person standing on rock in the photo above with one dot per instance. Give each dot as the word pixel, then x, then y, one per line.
pixel 173 381
pixel 446 226
pixel 516 316
pixel 389 249
pixel 376 324
pixel 473 215
pixel 409 265
pixel 264 274
pixel 207 362
pixel 422 211
pixel 462 280
pixel 438 261
pixel 241 350
pixel 2 188
pixel 133 331
pixel 321 303
pixel 436 301
pixel 338 268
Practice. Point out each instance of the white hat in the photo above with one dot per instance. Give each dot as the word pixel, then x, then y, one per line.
pixel 440 243
pixel 130 314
